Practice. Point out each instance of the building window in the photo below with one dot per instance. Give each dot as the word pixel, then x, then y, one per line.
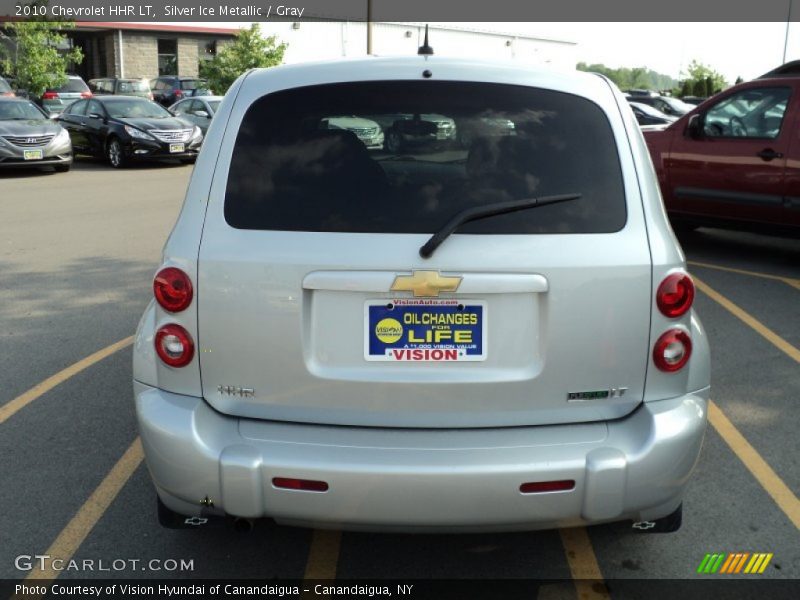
pixel 206 50
pixel 167 57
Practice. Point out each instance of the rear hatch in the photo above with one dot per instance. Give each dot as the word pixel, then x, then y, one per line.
pixel 56 100
pixel 314 303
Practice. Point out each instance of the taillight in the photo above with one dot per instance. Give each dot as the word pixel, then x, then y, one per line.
pixel 174 345
pixel 50 96
pixel 173 289
pixel 672 350
pixel 178 93
pixel 86 94
pixel 675 295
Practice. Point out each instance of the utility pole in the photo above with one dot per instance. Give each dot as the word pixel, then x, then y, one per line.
pixel 786 41
pixel 369 27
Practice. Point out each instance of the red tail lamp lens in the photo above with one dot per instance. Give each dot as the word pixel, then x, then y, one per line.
pixel 539 487
pixel 174 345
pixel 675 295
pixel 672 350
pixel 305 485
pixel 173 289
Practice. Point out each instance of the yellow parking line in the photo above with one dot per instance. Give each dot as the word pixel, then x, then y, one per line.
pixel 769 480
pixel 764 474
pixel 772 337
pixel 11 408
pixel 795 283
pixel 586 574
pixel 323 555
pixel 72 536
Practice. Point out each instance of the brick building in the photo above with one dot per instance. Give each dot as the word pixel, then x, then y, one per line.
pixel 144 50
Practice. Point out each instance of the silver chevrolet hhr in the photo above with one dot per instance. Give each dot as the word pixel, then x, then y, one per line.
pixel 487 335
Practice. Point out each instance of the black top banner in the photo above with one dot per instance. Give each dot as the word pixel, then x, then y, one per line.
pixel 182 11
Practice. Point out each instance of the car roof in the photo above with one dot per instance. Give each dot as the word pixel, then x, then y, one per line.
pixel 13 99
pixel 118 98
pixel 373 68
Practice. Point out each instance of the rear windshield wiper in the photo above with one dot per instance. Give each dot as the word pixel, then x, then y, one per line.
pixel 489 210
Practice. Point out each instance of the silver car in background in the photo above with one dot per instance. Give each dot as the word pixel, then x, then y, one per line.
pixel 200 110
pixel 29 139
pixel 493 337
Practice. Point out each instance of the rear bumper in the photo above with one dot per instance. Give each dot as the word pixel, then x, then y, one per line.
pixel 420 480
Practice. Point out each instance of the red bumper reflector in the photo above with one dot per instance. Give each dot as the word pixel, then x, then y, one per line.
pixel 305 485
pixel 538 487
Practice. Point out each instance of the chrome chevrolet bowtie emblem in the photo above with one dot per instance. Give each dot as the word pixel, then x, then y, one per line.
pixel 425 283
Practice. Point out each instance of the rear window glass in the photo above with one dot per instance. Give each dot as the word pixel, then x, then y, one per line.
pixel 4 87
pixel 73 85
pixel 192 84
pixel 405 157
pixel 124 87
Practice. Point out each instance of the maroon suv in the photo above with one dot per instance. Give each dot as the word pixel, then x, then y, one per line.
pixel 734 161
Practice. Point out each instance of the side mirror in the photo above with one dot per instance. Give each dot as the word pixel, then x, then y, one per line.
pixel 694 128
pixel 202 114
pixel 95 116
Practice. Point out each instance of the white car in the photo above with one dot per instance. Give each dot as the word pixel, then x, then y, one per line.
pixel 498 337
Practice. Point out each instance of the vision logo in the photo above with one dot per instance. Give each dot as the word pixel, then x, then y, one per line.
pixel 735 563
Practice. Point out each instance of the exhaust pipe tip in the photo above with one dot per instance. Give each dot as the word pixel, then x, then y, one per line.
pixel 243 525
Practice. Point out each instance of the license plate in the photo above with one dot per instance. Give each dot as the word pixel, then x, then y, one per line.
pixel 441 135
pixel 173 148
pixel 33 154
pixel 407 330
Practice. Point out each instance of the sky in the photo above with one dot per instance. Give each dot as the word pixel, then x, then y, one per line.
pixel 733 49
pixel 744 50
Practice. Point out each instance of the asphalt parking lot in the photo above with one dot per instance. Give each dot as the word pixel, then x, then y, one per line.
pixel 77 253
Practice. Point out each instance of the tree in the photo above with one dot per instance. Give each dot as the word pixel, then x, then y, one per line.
pixel 700 88
pixel 249 50
pixel 703 80
pixel 37 62
pixel 627 78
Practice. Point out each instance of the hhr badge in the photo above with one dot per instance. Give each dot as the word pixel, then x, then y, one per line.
pixel 235 390
pixel 597 395
pixel 425 284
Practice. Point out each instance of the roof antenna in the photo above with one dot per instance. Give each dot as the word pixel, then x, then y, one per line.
pixel 425 49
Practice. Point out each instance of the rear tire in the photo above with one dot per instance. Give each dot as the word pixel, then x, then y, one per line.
pixel 167 517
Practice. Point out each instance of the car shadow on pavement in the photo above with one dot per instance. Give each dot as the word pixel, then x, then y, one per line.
pixel 26 173
pixel 87 163
pixel 743 250
pixel 52 318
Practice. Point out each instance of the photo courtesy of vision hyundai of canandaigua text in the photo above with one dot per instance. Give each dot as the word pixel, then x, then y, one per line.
pixel 422 294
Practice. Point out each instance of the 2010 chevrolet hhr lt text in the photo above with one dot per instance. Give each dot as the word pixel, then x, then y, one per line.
pixel 482 332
